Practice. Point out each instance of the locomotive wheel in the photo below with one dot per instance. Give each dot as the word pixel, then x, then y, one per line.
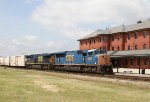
pixel 102 71
pixel 81 69
pixel 110 71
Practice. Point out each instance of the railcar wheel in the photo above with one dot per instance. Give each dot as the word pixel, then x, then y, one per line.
pixel 102 71
pixel 110 71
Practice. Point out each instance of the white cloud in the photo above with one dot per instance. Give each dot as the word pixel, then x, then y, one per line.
pixel 73 17
pixel 31 44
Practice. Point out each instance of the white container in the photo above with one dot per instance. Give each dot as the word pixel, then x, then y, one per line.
pixel 17 61
pixel 7 61
pixel 2 60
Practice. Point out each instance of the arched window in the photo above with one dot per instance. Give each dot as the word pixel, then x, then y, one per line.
pixel 131 61
pixel 126 62
pixel 112 37
pixel 136 35
pixel 136 47
pixel 104 39
pixel 81 43
pixel 118 48
pixel 138 62
pixel 128 36
pixel 100 39
pixel 144 46
pixel 118 37
pixel 94 41
pixel 113 48
pixel 129 47
pixel 145 61
pixel 144 34
pixel 90 42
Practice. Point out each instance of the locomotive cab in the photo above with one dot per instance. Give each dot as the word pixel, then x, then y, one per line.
pixel 105 64
pixel 104 60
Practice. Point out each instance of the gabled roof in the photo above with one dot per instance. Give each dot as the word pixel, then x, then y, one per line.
pixel 138 26
pixel 93 34
pixel 120 29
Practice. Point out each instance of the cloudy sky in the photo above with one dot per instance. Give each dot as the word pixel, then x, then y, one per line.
pixel 36 26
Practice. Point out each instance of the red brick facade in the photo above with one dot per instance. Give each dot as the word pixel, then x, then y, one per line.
pixel 130 40
pixel 136 40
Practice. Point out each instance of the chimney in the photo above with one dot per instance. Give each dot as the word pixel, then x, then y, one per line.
pixel 139 22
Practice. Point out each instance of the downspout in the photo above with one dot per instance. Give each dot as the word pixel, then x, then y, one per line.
pixel 139 65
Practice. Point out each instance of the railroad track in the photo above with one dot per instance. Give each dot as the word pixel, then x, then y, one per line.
pixel 123 77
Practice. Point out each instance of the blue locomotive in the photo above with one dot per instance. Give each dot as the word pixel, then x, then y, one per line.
pixel 95 61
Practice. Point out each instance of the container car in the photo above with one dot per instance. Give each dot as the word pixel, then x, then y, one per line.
pixel 18 61
pixel 2 61
pixel 7 61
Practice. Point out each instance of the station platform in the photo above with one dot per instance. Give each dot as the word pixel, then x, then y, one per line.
pixel 132 74
pixel 131 71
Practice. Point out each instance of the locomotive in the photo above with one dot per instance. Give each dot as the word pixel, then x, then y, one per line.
pixel 92 61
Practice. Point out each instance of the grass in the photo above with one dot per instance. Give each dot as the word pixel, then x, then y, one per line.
pixel 36 86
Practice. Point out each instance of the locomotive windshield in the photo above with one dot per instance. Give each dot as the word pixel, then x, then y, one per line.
pixel 98 52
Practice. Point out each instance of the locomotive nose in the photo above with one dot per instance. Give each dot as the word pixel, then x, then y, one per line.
pixel 104 60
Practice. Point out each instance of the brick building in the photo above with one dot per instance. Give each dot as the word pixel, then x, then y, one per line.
pixel 129 38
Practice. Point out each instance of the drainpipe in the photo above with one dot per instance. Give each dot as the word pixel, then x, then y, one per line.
pixel 149 62
pixel 117 65
pixel 139 65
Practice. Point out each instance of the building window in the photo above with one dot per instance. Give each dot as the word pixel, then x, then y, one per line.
pixel 118 48
pixel 104 39
pixel 144 46
pixel 136 35
pixel 100 39
pixel 81 43
pixel 104 48
pixel 144 34
pixel 112 37
pixel 90 42
pixel 136 47
pixel 128 36
pixel 131 61
pixel 145 61
pixel 138 62
pixel 100 48
pixel 129 47
pixel 113 48
pixel 118 37
pixel 86 42
pixel 94 41
pixel 126 62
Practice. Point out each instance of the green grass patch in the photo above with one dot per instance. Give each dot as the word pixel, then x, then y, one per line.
pixel 18 85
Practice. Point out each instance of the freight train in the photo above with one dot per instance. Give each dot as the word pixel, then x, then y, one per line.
pixel 93 61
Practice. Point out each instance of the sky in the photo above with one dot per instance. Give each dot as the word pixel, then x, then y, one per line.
pixel 45 26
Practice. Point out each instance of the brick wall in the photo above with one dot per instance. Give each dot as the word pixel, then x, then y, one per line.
pixel 136 40
pixel 121 41
pixel 117 42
